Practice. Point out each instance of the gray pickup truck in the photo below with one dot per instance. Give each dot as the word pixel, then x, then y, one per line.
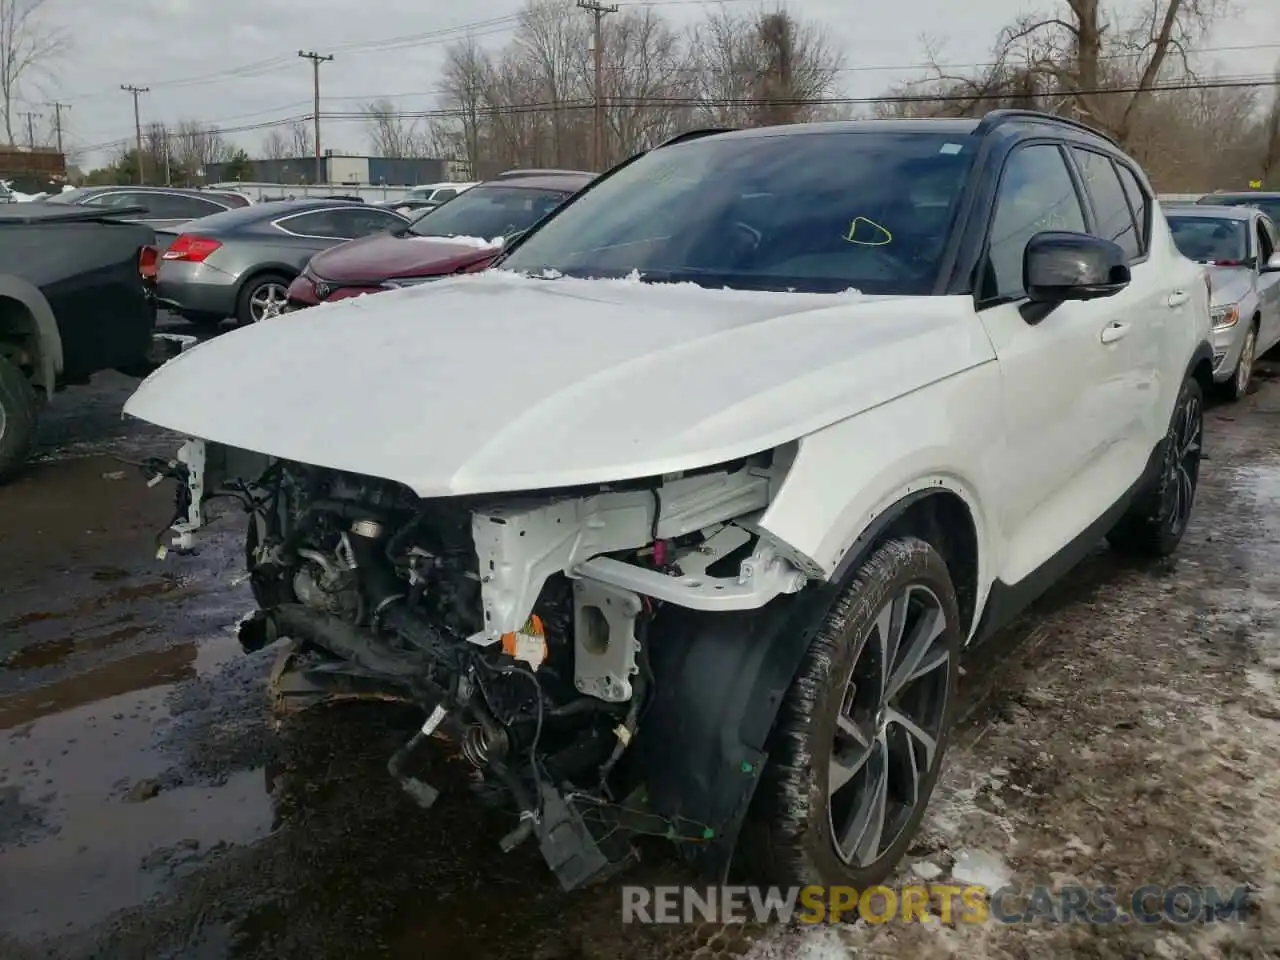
pixel 72 303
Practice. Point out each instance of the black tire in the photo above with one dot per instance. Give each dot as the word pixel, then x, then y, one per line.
pixel 1154 524
pixel 253 288
pixel 1242 376
pixel 789 838
pixel 18 408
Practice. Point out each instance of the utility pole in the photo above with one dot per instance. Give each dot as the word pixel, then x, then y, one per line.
pixel 57 120
pixel 598 11
pixel 137 123
pixel 31 128
pixel 316 59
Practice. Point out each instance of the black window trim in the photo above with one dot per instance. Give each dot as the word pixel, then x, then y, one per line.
pixel 1085 209
pixel 1144 249
pixel 306 213
pixel 1144 227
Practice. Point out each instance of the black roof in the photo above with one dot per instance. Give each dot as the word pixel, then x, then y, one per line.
pixel 944 126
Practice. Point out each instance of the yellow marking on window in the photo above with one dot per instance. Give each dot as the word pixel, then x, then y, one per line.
pixel 873 234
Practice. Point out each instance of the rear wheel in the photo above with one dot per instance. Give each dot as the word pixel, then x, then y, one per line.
pixel 1155 523
pixel 862 729
pixel 262 298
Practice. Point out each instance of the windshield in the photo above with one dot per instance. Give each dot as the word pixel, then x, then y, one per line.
pixel 1209 239
pixel 489 212
pixel 814 212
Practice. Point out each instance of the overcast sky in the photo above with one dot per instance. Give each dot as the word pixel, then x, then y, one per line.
pixel 234 63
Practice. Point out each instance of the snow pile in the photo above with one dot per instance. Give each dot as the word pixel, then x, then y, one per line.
pixel 480 243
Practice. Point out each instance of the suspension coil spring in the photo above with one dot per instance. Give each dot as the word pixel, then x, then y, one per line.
pixel 478 747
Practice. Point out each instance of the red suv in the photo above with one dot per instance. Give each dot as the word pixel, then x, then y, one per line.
pixel 460 236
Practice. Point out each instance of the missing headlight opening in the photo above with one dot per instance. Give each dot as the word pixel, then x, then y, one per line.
pixel 525 627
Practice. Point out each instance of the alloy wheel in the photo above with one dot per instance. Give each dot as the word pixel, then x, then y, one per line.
pixel 1244 369
pixel 267 301
pixel 891 719
pixel 1184 463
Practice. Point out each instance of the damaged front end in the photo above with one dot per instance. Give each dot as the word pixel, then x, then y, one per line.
pixel 577 646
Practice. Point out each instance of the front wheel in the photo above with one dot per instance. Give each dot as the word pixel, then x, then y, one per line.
pixel 1236 388
pixel 1154 524
pixel 862 729
pixel 18 408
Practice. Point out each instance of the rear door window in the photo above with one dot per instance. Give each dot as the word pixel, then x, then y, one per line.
pixel 1114 219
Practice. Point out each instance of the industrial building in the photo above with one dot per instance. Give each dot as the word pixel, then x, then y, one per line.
pixel 339 169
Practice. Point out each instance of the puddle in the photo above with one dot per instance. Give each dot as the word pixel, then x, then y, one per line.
pixel 87 826
pixel 50 653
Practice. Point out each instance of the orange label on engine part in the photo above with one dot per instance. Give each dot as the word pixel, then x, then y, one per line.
pixel 529 644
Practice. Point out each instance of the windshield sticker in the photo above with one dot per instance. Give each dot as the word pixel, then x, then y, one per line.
pixel 868 233
pixel 950 148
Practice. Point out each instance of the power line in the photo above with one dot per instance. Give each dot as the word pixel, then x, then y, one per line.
pixel 57 120
pixel 598 12
pixel 137 124
pixel 32 117
pixel 641 103
pixel 317 59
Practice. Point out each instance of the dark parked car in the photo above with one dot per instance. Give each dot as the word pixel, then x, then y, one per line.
pixel 157 207
pixel 462 234
pixel 71 304
pixel 240 263
pixel 1268 201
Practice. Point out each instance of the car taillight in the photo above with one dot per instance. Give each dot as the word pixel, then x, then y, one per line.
pixel 148 259
pixel 191 248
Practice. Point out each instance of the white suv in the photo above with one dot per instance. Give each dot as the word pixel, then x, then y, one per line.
pixel 680 520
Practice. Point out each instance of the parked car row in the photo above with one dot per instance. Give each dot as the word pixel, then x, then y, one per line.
pixel 681 519
pixel 254 263
pixel 1239 245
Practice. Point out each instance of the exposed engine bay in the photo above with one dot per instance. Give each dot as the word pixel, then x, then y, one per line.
pixel 524 626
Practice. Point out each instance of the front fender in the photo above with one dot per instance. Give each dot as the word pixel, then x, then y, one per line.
pixel 846 476
pixel 50 339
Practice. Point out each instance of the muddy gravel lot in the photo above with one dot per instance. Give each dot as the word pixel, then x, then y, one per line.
pixel 1126 731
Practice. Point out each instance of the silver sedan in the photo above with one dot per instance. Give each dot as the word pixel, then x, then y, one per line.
pixel 1239 245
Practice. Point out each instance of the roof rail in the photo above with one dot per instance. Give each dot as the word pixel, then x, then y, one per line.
pixel 994 118
pixel 534 172
pixel 693 135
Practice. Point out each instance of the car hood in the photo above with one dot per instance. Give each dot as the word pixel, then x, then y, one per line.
pixel 1230 284
pixel 494 382
pixel 383 256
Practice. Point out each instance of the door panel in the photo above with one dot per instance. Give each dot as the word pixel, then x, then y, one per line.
pixel 1268 289
pixel 1062 464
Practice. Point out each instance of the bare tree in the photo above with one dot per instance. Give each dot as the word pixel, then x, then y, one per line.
pixel 391 134
pixel 275 146
pixel 26 46
pixel 157 153
pixel 301 143
pixel 754 68
pixel 466 80
pixel 1270 164
pixel 196 146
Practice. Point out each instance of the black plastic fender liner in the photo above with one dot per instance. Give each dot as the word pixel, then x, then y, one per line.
pixel 719 680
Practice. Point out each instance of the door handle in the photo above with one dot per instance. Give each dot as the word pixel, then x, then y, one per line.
pixel 1114 331
pixel 1178 298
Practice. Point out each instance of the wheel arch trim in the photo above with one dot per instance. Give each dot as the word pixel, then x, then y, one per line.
pixel 720 681
pixel 46 327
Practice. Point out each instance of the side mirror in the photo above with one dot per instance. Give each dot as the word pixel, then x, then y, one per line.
pixel 1272 265
pixel 1059 265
